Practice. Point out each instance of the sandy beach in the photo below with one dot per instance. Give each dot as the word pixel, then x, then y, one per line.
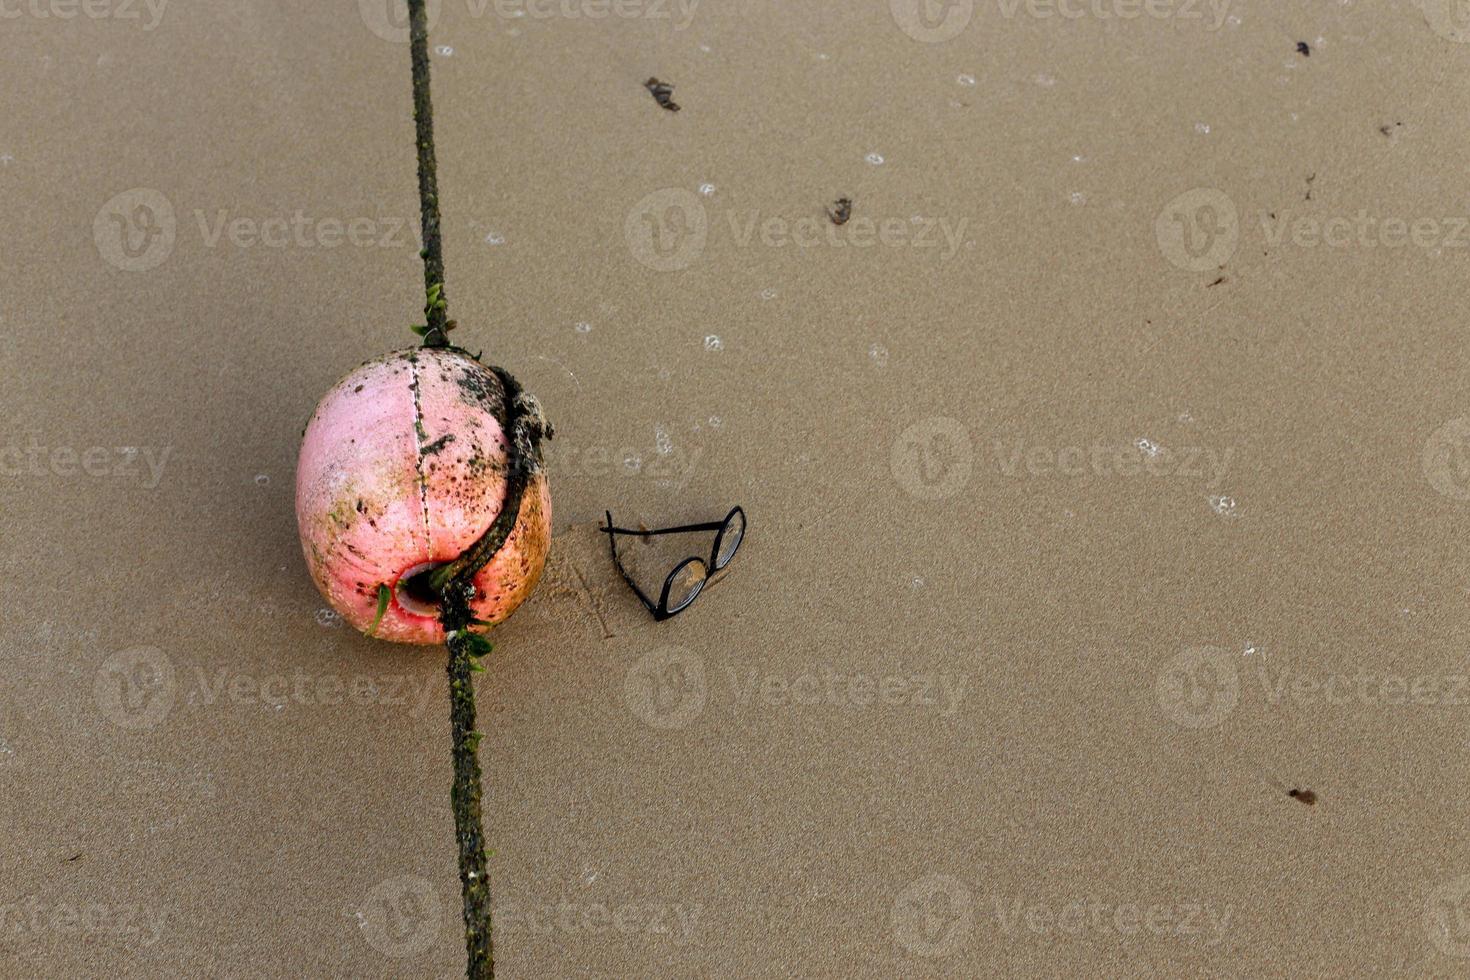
pixel 1107 472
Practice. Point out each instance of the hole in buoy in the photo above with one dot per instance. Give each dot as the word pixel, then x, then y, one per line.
pixel 414 593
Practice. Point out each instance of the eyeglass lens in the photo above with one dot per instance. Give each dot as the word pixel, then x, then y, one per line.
pixel 730 536
pixel 685 584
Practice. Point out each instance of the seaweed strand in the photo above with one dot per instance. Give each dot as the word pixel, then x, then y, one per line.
pixel 457 594
pixel 436 333
pixel 526 427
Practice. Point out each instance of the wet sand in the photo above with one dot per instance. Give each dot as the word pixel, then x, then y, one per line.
pixel 1106 472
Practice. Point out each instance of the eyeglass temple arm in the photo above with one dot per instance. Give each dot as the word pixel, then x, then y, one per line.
pixel 618 562
pixel 681 529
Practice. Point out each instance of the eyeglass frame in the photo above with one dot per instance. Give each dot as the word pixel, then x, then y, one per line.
pixel 661 611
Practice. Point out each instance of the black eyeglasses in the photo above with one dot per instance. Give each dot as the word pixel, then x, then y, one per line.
pixel 689 576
